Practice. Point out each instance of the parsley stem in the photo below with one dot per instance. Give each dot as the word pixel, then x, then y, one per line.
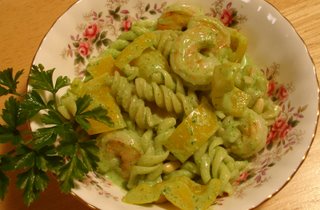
pixel 17 94
pixel 54 95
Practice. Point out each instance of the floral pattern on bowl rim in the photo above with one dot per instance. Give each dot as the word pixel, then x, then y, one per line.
pixel 98 27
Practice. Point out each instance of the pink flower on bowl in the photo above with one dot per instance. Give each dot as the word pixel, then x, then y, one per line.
pixel 279 129
pixel 283 93
pixel 284 131
pixel 242 177
pixel 84 49
pixel 272 135
pixel 91 31
pixel 227 15
pixel 279 124
pixel 126 25
pixel 271 87
pixel 282 127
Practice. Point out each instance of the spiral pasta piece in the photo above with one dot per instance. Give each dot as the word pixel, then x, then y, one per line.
pixel 163 96
pixel 152 159
pixel 138 172
pixel 165 41
pixel 164 131
pixel 122 90
pixel 147 140
pixel 214 162
pixel 160 77
pixel 165 78
pixel 144 59
pixel 188 169
pixel 150 165
pixel 148 168
pixel 152 65
pixel 131 72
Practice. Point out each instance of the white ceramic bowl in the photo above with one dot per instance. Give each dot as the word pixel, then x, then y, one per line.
pixel 273 44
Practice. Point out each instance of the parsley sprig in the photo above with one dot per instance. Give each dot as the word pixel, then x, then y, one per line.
pixel 60 146
pixel 8 83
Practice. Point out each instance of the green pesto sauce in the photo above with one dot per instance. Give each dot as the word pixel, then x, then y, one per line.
pixel 116 179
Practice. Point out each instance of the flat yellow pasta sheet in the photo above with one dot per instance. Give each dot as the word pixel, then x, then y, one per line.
pixel 193 132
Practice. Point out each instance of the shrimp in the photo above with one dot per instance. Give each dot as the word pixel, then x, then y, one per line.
pixel 223 33
pixel 121 149
pixel 177 16
pixel 245 136
pixel 226 37
pixel 188 57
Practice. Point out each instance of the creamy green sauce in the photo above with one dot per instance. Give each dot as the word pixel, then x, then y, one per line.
pixel 116 179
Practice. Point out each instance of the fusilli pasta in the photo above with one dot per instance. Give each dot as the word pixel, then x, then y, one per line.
pixel 163 97
pixel 135 107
